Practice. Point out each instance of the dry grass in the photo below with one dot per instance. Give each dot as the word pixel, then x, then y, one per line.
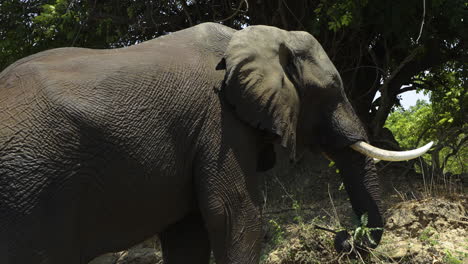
pixel 431 230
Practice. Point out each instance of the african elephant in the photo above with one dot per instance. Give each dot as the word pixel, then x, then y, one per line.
pixel 101 149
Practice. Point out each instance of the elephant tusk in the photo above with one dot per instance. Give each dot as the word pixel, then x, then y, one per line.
pixel 388 155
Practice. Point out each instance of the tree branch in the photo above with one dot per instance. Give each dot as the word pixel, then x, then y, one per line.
pixel 388 98
pixel 237 11
pixel 422 22
pixel 454 152
pixel 183 3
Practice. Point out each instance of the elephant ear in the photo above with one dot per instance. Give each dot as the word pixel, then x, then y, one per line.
pixel 258 82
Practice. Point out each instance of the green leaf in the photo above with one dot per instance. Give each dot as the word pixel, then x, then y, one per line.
pixel 364 219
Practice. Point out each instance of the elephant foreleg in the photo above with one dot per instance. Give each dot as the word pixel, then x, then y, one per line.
pixel 186 242
pixel 231 211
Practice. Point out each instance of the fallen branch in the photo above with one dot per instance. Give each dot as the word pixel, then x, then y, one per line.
pixel 324 229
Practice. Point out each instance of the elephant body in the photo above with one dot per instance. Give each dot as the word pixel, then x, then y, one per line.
pixel 101 149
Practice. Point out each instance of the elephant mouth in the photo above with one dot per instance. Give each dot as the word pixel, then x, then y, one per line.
pixel 388 155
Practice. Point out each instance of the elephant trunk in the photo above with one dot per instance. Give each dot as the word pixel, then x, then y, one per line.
pixel 361 183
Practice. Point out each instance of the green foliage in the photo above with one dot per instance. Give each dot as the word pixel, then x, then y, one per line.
pixel 277 231
pixel 339 14
pixel 302 243
pixel 363 233
pixel 297 210
pixel 449 94
pixel 429 236
pixel 444 120
pixel 342 187
pixel 331 165
pixel 367 40
pixel 408 125
pixel 449 258
pixel 56 21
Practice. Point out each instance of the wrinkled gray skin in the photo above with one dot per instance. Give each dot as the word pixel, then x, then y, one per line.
pixel 101 149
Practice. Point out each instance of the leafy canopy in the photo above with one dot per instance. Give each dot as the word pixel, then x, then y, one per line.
pixel 444 120
pixel 376 45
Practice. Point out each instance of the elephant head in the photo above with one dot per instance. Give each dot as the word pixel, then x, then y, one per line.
pixel 284 84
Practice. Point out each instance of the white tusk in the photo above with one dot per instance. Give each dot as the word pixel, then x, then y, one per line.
pixel 388 155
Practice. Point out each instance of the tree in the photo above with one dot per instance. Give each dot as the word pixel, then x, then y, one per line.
pixel 376 45
pixel 30 26
pixel 444 120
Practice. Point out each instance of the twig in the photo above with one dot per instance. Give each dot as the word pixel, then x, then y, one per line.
pixel 265 194
pixel 371 251
pixel 422 22
pixel 70 5
pixel 237 11
pixel 402 197
pixel 282 15
pixel 359 255
pixel 333 205
pixel 292 13
pixel 458 221
pixel 284 189
pixel 387 95
pixel 187 14
pixel 325 229
pixel 77 35
pixel 423 175
pixel 329 215
pixel 360 67
pixel 280 211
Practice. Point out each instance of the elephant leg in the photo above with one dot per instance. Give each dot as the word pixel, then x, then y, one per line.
pixel 230 207
pixel 186 241
pixel 235 232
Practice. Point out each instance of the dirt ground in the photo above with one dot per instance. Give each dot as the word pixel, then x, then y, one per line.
pixel 431 230
pixel 425 222
pixel 426 219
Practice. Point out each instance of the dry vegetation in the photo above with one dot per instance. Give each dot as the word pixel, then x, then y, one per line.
pixel 426 219
pixel 431 230
pixel 426 223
